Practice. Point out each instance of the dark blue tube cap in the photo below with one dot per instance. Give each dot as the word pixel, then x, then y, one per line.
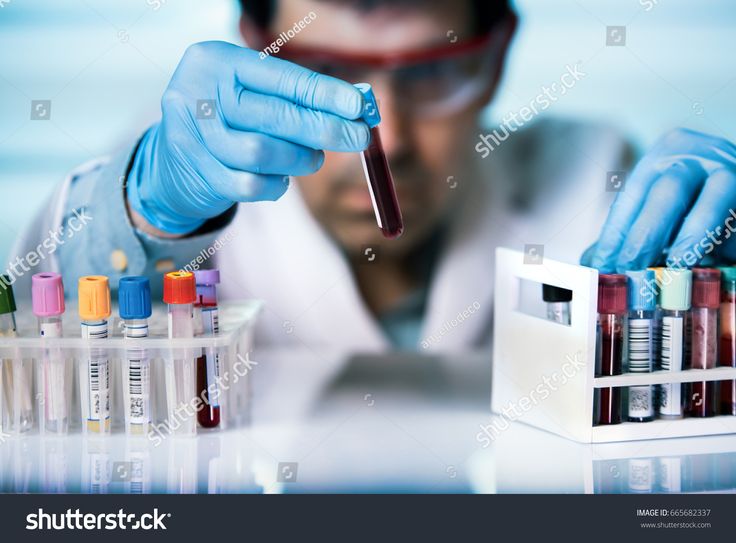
pixel 642 290
pixel 134 297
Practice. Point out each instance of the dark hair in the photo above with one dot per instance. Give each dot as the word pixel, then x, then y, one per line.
pixel 486 12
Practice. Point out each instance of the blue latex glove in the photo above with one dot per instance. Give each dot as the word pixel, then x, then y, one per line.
pixel 233 128
pixel 682 192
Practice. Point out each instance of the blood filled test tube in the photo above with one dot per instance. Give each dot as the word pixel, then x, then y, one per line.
pixel 706 299
pixel 641 348
pixel 675 300
pixel 727 352
pixel 612 302
pixel 558 303
pixel 208 365
pixel 378 173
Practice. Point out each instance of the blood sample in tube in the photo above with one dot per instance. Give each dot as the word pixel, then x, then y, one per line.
pixel 377 172
pixel 612 304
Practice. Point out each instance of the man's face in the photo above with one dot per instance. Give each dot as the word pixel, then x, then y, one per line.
pixel 422 151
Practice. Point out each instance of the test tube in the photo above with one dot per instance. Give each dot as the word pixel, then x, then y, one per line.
pixel 54 377
pixel 94 371
pixel 706 299
pixel 377 171
pixel 180 294
pixel 675 300
pixel 17 372
pixel 558 303
pixel 656 288
pixel 641 348
pixel 611 314
pixel 727 352
pixel 134 302
pixel 208 365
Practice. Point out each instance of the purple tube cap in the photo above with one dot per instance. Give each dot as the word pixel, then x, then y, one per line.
pixel 207 277
pixel 47 294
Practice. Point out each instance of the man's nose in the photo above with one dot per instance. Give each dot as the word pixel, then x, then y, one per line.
pixel 394 125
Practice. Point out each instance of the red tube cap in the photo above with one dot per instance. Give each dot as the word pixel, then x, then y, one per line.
pixel 706 288
pixel 179 288
pixel 612 293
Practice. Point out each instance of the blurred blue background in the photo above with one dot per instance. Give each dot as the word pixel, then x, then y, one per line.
pixel 104 65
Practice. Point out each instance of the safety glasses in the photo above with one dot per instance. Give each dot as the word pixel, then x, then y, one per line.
pixel 431 82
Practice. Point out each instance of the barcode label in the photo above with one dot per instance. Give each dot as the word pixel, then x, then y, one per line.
pixel 672 343
pixel 210 320
pixel 138 386
pixel 99 389
pixel 641 401
pixel 138 374
pixel 94 331
pixel 641 345
pixel 670 399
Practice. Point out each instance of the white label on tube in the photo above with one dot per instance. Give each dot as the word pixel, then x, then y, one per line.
pixel 138 385
pixel 670 395
pixel 670 399
pixel 672 343
pixel 138 376
pixel 210 319
pixel 98 374
pixel 50 329
pixel 641 401
pixel 641 345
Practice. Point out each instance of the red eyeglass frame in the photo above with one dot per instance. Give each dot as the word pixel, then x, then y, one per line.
pixel 383 60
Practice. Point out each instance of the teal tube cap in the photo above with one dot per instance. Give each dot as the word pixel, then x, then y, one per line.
pixel 677 287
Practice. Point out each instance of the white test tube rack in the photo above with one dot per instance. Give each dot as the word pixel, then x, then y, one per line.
pixel 237 320
pixel 526 348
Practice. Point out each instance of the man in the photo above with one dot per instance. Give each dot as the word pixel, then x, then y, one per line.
pixel 237 122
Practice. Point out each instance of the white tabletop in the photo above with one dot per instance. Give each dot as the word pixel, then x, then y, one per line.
pixel 369 424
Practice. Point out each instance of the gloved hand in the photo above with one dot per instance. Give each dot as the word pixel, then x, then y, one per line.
pixel 682 192
pixel 233 128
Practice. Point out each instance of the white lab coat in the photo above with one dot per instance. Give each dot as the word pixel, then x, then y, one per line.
pixel 278 253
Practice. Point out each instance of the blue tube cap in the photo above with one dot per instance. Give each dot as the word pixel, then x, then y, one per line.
pixel 371 115
pixel 642 290
pixel 134 297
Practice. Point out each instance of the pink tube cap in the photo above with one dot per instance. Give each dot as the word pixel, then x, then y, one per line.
pixel 47 293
